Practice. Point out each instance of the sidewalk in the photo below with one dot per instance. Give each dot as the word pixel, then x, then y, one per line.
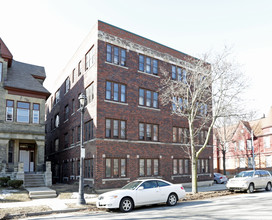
pixel 62 205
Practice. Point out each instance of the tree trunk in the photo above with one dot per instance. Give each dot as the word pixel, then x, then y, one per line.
pixel 224 161
pixel 194 175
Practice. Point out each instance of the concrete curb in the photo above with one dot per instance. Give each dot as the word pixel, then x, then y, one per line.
pixel 46 212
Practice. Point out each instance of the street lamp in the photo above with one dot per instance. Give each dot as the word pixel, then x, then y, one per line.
pixel 81 200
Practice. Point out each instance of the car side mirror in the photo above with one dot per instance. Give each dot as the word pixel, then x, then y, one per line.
pixel 141 188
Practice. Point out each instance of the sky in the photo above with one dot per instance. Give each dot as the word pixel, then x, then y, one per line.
pixel 48 32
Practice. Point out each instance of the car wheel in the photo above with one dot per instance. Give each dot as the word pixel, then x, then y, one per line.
pixel 250 188
pixel 172 199
pixel 126 205
pixel 268 187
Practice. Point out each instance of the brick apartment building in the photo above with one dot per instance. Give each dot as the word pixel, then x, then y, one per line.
pixel 239 153
pixel 128 134
pixel 22 124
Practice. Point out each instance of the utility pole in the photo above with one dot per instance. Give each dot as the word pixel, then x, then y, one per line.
pixel 252 146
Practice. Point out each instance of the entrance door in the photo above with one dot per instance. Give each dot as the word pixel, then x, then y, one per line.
pixel 27 158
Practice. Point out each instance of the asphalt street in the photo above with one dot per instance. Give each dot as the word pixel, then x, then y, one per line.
pixel 239 206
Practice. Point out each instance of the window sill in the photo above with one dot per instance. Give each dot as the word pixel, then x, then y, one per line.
pixel 145 107
pixel 116 65
pixel 115 102
pixel 149 74
pixel 116 179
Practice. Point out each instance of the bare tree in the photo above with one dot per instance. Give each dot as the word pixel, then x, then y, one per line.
pixel 206 90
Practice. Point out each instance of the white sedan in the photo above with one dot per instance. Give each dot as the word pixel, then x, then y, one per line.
pixel 142 192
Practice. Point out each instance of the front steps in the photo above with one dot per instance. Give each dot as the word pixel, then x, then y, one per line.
pixel 41 192
pixel 34 180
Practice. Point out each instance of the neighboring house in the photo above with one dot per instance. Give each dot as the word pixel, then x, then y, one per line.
pixel 128 134
pixel 22 110
pixel 239 151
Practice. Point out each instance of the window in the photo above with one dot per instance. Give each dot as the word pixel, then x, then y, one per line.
pixel 148 65
pixel 174 75
pixel 79 68
pixel 250 162
pixel 268 162
pixel 242 163
pixel 57 120
pixel 115 167
pixel 9 110
pixel 73 76
pixel 123 57
pixel 90 93
pixel 1 71
pixel 115 129
pixel 66 112
pixel 88 130
pixel 116 55
pixel 56 144
pixel 36 114
pixel 88 168
pixel 23 112
pixel 67 84
pixel 141 96
pixel 148 167
pixel 148 132
pixel 66 140
pixel 78 133
pixel 73 135
pixel 73 106
pixel 186 166
pixel 178 104
pixel 148 98
pixel 123 93
pixel 115 92
pixel 179 74
pixel 108 128
pixel 249 145
pixel 109 53
pixel 241 145
pixel 10 151
pixel 155 66
pixel 178 135
pixel 267 142
pixel 178 166
pixel 57 96
pixel 89 58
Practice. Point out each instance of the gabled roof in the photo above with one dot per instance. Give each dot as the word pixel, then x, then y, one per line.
pixel 5 53
pixel 21 76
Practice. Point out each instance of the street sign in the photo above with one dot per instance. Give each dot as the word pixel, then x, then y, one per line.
pixel 83 152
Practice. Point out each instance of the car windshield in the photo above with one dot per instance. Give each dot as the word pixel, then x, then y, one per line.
pixel 132 185
pixel 245 174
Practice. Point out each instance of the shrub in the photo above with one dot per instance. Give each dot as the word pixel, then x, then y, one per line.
pixel 15 183
pixel 4 181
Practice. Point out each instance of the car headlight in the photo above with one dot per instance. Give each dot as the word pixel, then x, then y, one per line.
pixel 113 197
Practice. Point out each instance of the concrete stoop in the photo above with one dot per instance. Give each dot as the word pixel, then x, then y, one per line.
pixel 41 192
pixel 34 180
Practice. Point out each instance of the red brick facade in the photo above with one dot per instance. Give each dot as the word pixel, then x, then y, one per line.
pixel 126 153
